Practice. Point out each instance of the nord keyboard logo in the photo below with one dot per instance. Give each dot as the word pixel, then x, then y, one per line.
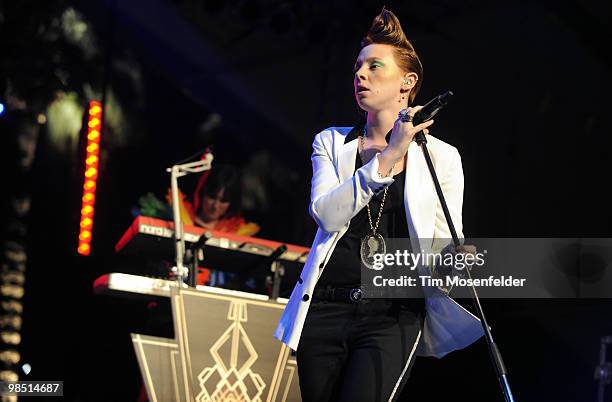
pixel 156 231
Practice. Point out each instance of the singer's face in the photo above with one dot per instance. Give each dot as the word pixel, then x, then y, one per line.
pixel 378 79
pixel 214 206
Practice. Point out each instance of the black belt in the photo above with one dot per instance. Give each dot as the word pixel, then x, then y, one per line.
pixel 357 294
pixel 349 295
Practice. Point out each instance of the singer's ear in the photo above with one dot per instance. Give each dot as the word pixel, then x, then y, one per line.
pixel 409 81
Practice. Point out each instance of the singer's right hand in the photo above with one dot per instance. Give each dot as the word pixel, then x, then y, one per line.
pixel 403 134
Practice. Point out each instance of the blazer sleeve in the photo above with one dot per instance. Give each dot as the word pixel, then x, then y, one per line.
pixel 451 182
pixel 332 202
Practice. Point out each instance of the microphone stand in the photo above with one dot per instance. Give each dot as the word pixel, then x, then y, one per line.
pixel 179 270
pixel 435 105
pixel 197 253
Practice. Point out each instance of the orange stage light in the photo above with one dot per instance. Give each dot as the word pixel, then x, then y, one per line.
pixel 83 248
pixel 93 123
pixel 89 185
pixel 94 130
pixel 88 198
pixel 91 172
pixel 93 135
pixel 92 148
pixel 91 160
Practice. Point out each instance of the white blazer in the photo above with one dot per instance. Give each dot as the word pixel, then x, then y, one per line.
pixel 339 192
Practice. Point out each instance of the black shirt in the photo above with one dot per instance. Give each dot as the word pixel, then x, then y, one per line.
pixel 343 267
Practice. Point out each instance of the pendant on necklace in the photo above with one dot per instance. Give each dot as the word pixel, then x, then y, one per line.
pixel 372 244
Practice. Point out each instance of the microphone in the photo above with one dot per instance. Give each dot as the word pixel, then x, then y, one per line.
pixel 427 112
pixel 431 108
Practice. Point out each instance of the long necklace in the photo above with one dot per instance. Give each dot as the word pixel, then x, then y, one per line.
pixel 372 243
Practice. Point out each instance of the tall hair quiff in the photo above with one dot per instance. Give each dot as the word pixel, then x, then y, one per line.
pixel 386 29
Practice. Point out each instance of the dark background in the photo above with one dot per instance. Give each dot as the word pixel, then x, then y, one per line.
pixel 529 116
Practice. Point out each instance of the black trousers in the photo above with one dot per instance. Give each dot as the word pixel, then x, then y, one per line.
pixel 358 351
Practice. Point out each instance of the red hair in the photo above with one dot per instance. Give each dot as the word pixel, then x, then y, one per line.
pixel 386 29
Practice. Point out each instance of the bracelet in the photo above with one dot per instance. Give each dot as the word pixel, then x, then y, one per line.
pixel 380 176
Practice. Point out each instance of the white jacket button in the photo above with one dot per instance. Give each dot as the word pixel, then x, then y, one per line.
pixel 305 298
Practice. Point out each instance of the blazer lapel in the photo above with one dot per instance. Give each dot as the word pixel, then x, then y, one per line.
pixel 418 191
pixel 347 153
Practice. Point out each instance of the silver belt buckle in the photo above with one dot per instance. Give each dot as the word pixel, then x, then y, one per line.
pixel 355 295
